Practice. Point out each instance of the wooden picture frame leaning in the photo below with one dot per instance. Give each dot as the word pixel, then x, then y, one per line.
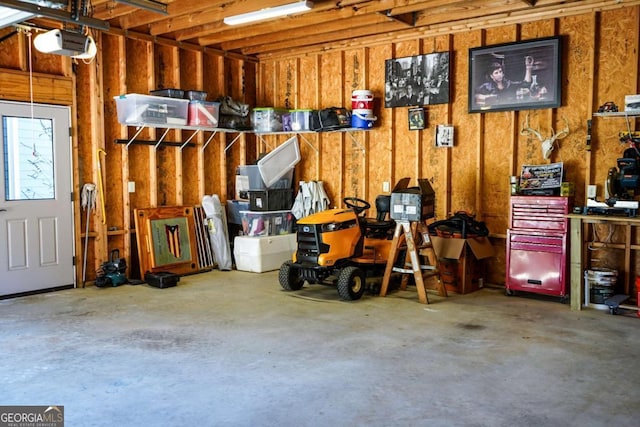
pixel 166 240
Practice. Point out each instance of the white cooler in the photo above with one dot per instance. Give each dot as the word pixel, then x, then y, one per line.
pixel 258 254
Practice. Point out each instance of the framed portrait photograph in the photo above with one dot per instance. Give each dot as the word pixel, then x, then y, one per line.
pixel 417 119
pixel 515 76
pixel 444 136
pixel 417 80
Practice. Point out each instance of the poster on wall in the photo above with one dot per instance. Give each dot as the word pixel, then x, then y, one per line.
pixel 417 80
pixel 515 76
pixel 541 180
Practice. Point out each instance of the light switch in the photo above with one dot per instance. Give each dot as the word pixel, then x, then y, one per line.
pixel 386 187
pixel 132 186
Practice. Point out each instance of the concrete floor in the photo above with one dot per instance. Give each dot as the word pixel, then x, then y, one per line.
pixel 233 349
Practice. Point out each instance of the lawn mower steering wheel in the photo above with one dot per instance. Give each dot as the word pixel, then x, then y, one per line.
pixel 358 205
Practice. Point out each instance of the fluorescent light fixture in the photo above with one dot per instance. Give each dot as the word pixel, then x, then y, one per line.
pixel 10 16
pixel 269 13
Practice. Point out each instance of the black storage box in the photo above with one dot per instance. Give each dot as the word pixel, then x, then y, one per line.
pixel 414 203
pixel 168 93
pixel 161 279
pixel 271 200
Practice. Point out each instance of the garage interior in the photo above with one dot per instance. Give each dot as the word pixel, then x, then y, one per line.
pixel 234 348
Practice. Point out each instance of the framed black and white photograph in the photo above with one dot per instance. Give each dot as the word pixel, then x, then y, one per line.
pixel 417 119
pixel 444 136
pixel 515 76
pixel 417 80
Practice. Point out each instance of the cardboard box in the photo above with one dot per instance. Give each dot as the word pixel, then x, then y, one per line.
pixel 460 262
pixel 259 254
pixel 632 103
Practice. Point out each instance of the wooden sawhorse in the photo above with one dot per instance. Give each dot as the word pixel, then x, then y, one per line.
pixel 405 231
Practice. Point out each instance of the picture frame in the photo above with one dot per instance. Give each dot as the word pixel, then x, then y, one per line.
pixel 444 136
pixel 417 118
pixel 516 76
pixel 417 80
pixel 166 239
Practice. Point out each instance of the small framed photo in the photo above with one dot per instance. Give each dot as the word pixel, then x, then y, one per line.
pixel 444 136
pixel 417 119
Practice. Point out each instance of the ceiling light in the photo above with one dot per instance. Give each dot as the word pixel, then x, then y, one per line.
pixel 269 13
pixel 11 16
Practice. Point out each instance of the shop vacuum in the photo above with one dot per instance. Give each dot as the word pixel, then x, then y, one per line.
pixel 112 272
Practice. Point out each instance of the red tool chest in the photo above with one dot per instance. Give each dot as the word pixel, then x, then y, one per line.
pixel 537 243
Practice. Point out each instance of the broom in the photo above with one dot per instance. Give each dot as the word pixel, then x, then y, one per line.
pixel 88 202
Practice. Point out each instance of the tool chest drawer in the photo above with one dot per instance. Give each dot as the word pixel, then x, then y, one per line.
pixel 539 213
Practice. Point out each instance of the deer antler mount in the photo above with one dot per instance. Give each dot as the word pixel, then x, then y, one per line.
pixel 548 142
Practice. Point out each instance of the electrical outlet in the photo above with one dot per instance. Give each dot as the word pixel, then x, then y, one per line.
pixel 591 191
pixel 131 185
pixel 386 187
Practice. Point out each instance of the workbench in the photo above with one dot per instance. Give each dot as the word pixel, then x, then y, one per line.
pixel 579 231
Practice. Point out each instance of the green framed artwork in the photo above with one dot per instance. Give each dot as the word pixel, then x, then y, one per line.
pixel 166 239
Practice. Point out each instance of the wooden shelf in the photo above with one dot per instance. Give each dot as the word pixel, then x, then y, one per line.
pixel 618 114
pixel 580 242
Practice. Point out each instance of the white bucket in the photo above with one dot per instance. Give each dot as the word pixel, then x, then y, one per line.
pixel 362 100
pixel 600 285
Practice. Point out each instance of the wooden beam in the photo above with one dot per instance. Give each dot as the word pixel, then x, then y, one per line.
pixel 405 18
pixel 47 89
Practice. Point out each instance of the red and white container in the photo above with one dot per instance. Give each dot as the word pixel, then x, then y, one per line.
pixel 362 100
pixel 362 105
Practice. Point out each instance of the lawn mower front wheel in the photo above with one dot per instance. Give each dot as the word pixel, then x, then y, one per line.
pixel 351 283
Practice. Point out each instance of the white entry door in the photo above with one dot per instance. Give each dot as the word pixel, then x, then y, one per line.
pixel 36 211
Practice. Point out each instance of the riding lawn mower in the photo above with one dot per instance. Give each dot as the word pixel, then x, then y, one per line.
pixel 342 247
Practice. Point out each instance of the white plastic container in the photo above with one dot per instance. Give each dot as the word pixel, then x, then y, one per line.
pixel 278 162
pixel 259 254
pixel 267 119
pixel 134 109
pixel 300 120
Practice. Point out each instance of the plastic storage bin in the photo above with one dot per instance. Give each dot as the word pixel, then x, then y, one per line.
pixel 271 223
pixel 257 183
pixel 300 120
pixel 203 113
pixel 267 119
pixel 171 93
pixel 258 254
pixel 135 109
pixel 271 200
pixel 195 95
pixel 278 162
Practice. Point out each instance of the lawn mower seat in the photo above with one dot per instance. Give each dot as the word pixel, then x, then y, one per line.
pixel 382 224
